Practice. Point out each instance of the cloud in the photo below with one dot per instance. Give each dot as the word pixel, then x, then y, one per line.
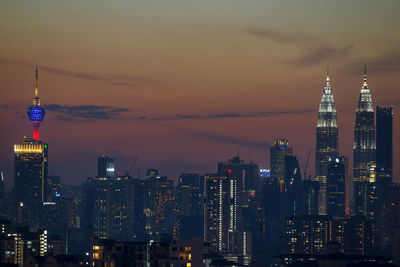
pixel 322 54
pixel 317 50
pixel 85 112
pixel 218 138
pixel 124 80
pixel 385 63
pixel 225 115
pixel 280 37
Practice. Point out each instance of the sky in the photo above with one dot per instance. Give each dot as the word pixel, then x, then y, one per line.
pixel 184 84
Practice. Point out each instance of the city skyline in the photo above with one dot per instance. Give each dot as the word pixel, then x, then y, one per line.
pixel 213 101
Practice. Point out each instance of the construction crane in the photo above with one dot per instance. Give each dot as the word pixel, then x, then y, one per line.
pixel 128 173
pixel 308 160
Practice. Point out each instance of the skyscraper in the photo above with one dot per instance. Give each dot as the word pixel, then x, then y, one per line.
pixel 336 188
pixel 159 205
pixel 279 150
pixel 327 144
pixel 105 166
pixel 243 185
pixel 189 206
pixel 30 179
pixel 216 211
pixel 364 147
pixel 384 143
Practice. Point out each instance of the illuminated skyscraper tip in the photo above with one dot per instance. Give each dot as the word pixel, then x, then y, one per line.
pixel 36 82
pixel 35 112
pixel 365 85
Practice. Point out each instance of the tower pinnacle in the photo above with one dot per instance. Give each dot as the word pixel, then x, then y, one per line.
pixel 365 85
pixel 35 112
pixel 36 87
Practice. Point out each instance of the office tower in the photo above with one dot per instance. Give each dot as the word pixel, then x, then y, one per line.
pixel 364 146
pixel 189 203
pixel 243 187
pixel 384 143
pixel 35 112
pixel 336 188
pixel 277 159
pixel 30 179
pixel 99 205
pixel 159 206
pixel 327 144
pixel 122 208
pixel 216 211
pixel 309 197
pixel 106 167
pixel 290 195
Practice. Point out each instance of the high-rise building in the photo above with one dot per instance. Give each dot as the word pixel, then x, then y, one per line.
pixel 292 186
pixel 327 144
pixel 243 187
pixel 30 179
pixel 122 208
pixel 308 234
pixel 364 147
pixel 189 203
pixel 216 211
pixel 279 150
pixel 159 206
pixel 105 166
pixel 336 188
pixel 358 236
pixel 384 143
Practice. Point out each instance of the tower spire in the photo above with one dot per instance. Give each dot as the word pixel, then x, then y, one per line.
pixel 36 85
pixel 328 85
pixel 365 84
pixel 35 112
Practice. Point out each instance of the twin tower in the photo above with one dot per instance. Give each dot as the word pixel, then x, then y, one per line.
pixel 327 145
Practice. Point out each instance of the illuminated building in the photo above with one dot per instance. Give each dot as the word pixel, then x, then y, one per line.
pixel 30 179
pixel 306 234
pixel 106 167
pixel 326 142
pixel 35 112
pixel 336 188
pixel 309 197
pixel 216 211
pixel 30 168
pixel 98 207
pixel 189 206
pixel 122 208
pixel 277 159
pixel 364 146
pixel 159 206
pixel 242 189
pixel 358 236
pixel 384 143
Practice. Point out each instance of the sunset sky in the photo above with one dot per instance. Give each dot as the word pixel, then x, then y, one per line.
pixel 185 84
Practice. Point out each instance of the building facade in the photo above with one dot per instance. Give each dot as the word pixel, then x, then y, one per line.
pixel 364 147
pixel 327 144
